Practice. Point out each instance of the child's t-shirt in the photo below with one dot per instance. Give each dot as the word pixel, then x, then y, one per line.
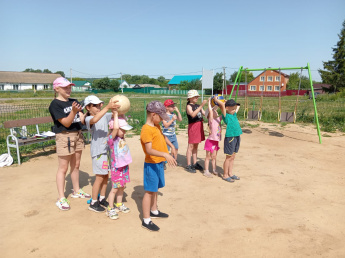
pixel 171 129
pixel 233 127
pixel 99 134
pixel 216 129
pixel 119 152
pixel 154 135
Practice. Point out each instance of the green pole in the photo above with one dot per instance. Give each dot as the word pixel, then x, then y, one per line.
pixel 315 110
pixel 181 105
pixel 238 85
pixel 233 86
pixel 269 69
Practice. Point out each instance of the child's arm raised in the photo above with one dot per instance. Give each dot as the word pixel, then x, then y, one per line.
pixel 179 117
pixel 196 111
pixel 116 124
pixel 67 121
pixel 166 124
pixel 210 110
pixel 238 107
pixel 170 159
pixel 111 105
pixel 221 105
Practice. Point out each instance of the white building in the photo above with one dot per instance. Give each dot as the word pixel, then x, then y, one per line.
pixel 27 81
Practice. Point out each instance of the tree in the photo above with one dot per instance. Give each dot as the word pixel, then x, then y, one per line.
pixel 102 84
pixel 293 82
pixel 114 85
pixel 192 85
pixel 46 71
pixel 218 81
pixel 250 77
pixel 61 73
pixel 334 70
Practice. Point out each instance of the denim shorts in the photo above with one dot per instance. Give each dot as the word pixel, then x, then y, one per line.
pixel 232 145
pixel 173 140
pixel 153 176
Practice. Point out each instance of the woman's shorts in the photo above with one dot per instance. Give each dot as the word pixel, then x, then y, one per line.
pixel 153 176
pixel 196 132
pixel 173 140
pixel 211 145
pixel 120 176
pixel 100 164
pixel 67 143
pixel 232 145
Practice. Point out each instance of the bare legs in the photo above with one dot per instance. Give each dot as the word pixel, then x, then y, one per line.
pixel 149 203
pixel 192 151
pixel 228 165
pixel 99 184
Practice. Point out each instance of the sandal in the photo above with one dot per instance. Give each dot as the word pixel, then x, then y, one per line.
pixel 235 177
pixel 229 179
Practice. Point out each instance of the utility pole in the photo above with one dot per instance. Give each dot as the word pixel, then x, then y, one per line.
pixel 224 82
pixel 121 83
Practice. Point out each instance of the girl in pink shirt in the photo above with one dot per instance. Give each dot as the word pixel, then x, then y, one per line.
pixel 212 142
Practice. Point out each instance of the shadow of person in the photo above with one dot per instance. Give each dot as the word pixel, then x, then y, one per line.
pixel 84 180
pixel 182 160
pixel 277 134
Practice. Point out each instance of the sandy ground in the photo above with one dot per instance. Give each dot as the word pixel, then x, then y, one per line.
pixel 289 203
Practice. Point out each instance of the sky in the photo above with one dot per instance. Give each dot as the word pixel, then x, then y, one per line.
pixel 165 38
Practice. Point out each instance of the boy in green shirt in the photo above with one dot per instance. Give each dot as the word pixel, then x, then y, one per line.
pixel 232 136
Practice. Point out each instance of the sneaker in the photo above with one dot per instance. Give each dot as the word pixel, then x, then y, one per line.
pixel 111 213
pixel 190 169
pixel 165 166
pixel 160 215
pixel 198 167
pixel 151 226
pixel 104 203
pixel 207 174
pixel 63 204
pixel 122 208
pixel 80 194
pixel 96 207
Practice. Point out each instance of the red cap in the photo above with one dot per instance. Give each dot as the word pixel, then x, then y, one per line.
pixel 169 102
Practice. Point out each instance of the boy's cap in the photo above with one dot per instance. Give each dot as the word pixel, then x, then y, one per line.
pixel 230 103
pixel 124 125
pixel 192 93
pixel 158 108
pixel 92 99
pixel 169 102
pixel 61 82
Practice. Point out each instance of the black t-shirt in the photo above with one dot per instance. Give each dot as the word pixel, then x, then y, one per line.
pixel 198 116
pixel 60 109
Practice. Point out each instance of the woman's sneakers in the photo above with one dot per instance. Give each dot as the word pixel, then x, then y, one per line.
pixel 111 213
pixel 63 204
pixel 80 194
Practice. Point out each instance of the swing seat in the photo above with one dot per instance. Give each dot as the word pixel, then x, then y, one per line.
pixel 254 115
pixel 287 117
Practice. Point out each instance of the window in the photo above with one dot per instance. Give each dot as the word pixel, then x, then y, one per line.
pixel 277 78
pixel 2 87
pixel 270 78
pixel 46 86
pixel 269 87
pixel 262 88
pixel 15 87
pixel 262 78
pixel 276 88
pixel 34 86
pixel 252 87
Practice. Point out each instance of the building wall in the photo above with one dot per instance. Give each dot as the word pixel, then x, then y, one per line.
pixel 24 86
pixel 269 86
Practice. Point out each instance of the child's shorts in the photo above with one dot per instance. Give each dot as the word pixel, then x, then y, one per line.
pixel 196 133
pixel 173 140
pixel 153 176
pixel 67 143
pixel 211 145
pixel 232 145
pixel 120 176
pixel 100 164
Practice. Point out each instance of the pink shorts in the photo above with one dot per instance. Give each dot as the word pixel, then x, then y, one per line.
pixel 196 132
pixel 120 176
pixel 211 145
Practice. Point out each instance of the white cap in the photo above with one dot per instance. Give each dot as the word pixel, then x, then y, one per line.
pixel 92 99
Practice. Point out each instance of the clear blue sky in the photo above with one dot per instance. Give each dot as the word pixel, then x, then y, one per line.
pixel 104 38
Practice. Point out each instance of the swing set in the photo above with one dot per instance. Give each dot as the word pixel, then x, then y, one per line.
pixel 282 116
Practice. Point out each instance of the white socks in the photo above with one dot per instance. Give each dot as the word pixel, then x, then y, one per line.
pixel 155 212
pixel 147 221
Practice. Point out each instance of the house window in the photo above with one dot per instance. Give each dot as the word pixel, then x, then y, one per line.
pixel 270 78
pixel 262 78
pixel 269 87
pixel 262 88
pixel 34 86
pixel 277 78
pixel 2 87
pixel 46 86
pixel 276 88
pixel 15 87
pixel 252 87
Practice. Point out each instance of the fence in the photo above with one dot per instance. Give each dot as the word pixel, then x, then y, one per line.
pixel 172 92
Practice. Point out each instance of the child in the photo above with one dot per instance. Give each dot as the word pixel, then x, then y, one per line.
pixel 212 142
pixel 195 129
pixel 156 152
pixel 170 125
pixel 232 136
pixel 69 140
pixel 120 158
pixel 96 121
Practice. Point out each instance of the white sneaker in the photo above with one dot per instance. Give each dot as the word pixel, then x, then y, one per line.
pixel 63 204
pixel 111 213
pixel 122 208
pixel 207 174
pixel 80 194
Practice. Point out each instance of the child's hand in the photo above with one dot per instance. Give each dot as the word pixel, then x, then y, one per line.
pixel 113 105
pixel 174 117
pixel 76 107
pixel 204 102
pixel 114 111
pixel 176 109
pixel 170 159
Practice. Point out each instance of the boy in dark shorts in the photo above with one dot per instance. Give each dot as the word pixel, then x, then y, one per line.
pixel 232 136
pixel 154 145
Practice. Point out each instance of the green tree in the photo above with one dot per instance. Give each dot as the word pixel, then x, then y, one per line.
pixel 192 85
pixel 114 85
pixel 250 77
pixel 294 81
pixel 61 73
pixel 218 81
pixel 102 84
pixel 47 71
pixel 334 70
pixel 127 78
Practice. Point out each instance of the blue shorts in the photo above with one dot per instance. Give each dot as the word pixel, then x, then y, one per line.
pixel 153 176
pixel 231 145
pixel 173 140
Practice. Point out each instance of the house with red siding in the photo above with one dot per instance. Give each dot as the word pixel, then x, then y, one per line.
pixel 268 82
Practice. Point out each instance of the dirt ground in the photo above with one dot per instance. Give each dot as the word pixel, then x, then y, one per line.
pixel 289 203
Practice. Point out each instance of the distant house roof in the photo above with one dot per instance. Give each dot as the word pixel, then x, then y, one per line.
pixel 25 77
pixel 149 85
pixel 179 78
pixel 82 83
pixel 321 86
